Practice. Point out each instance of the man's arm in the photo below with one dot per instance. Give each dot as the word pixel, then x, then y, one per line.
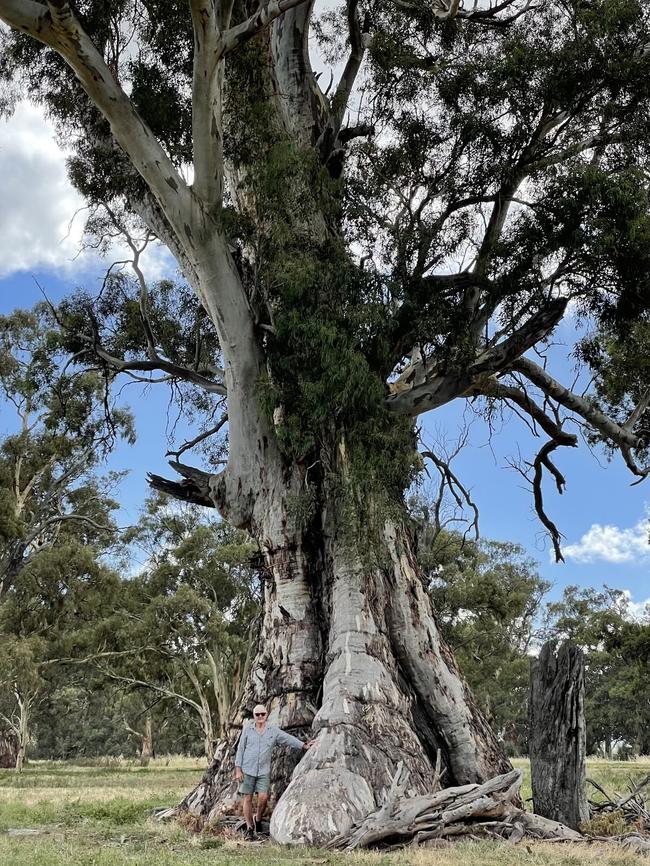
pixel 286 739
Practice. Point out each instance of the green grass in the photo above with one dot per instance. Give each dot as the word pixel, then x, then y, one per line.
pixel 100 815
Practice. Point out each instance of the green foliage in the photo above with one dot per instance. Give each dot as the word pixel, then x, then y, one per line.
pixel 345 256
pixel 488 599
pixel 58 434
pixel 175 634
pixel 56 514
pixel 489 603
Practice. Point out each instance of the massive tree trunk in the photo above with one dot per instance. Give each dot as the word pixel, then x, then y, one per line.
pixel 349 653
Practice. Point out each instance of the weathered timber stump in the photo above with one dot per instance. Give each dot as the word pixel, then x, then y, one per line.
pixel 8 750
pixel 557 735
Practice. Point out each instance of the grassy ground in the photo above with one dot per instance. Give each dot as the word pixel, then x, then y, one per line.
pixel 99 815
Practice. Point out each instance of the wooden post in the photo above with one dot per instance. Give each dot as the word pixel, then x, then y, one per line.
pixel 557 735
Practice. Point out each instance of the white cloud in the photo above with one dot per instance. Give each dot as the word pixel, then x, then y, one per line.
pixel 38 204
pixel 38 201
pixel 611 544
pixel 638 610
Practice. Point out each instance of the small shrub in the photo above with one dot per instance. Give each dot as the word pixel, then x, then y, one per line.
pixel 606 824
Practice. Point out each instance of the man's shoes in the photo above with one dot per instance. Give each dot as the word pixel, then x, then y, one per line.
pixel 249 834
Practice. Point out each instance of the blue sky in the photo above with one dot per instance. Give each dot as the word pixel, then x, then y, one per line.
pixel 601 515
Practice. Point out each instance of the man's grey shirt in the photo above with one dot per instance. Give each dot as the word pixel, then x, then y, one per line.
pixel 254 749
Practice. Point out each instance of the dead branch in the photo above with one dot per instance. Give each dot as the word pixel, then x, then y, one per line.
pixel 457 490
pixel 470 811
pixel 200 438
pixel 634 807
pixel 197 486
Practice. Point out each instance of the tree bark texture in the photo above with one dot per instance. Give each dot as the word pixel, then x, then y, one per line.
pixel 23 731
pixel 557 736
pixel 349 653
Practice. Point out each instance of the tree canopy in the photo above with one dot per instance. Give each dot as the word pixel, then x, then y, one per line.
pixel 403 238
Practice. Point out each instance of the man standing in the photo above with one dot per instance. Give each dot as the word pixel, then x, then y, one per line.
pixel 253 764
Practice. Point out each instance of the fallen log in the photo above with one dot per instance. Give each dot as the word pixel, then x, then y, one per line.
pixel 489 810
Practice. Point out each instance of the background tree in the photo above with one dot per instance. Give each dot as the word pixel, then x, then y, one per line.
pixel 180 629
pixel 60 434
pixel 359 269
pixel 55 511
pixel 20 687
pixel 46 620
pixel 488 598
pixel 617 696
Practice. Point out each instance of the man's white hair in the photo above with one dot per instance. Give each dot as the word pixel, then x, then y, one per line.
pixel 260 708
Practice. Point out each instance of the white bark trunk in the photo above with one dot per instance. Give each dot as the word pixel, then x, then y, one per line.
pixel 23 731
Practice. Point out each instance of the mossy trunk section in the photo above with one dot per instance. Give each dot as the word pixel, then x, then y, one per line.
pixel 557 735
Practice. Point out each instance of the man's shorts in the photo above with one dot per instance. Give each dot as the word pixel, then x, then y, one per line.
pixel 255 784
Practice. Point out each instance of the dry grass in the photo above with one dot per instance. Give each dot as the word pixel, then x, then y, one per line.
pixel 614 776
pixel 98 814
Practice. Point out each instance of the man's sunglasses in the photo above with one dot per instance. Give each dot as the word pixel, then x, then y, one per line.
pixel 261 715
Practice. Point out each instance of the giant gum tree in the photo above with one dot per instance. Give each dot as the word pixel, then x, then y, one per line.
pixel 366 253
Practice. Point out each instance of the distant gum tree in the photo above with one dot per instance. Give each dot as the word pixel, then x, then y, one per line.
pixel 363 252
pixel 55 511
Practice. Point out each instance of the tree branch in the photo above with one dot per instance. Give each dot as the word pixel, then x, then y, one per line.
pixel 266 13
pixel 198 439
pixel 622 436
pixel 177 371
pixel 590 143
pixel 197 486
pixel 359 41
pixel 57 27
pixel 543 460
pixel 161 690
pixel 493 388
pixel 459 492
pixel 63 518
pixel 434 386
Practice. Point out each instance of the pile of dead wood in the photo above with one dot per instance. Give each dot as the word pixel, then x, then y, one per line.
pixel 488 811
pixel 633 808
